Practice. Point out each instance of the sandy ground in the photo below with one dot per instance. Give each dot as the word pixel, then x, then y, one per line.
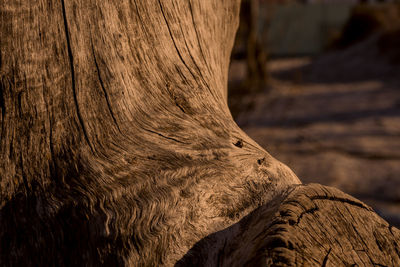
pixel 335 120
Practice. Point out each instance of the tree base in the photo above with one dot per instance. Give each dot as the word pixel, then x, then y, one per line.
pixel 310 225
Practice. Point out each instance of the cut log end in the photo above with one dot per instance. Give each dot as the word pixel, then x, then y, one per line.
pixel 311 225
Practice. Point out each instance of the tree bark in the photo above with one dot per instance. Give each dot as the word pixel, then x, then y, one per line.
pixel 308 225
pixel 117 145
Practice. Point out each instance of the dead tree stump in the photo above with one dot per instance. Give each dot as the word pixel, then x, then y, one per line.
pixel 117 145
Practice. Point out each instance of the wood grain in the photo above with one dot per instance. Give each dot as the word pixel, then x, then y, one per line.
pixel 117 145
pixel 309 225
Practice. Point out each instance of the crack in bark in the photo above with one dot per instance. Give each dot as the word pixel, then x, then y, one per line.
pixel 11 150
pixel 175 98
pixel 354 220
pixel 166 137
pixel 51 145
pixel 321 226
pixel 197 33
pixel 71 63
pixel 312 210
pixel 366 247
pixel 24 179
pixel 395 244
pixel 378 243
pixel 2 104
pixel 194 61
pixel 173 41
pixel 19 103
pixel 344 200
pixel 390 229
pixel 365 250
pixel 325 261
pixel 102 86
pixel 179 106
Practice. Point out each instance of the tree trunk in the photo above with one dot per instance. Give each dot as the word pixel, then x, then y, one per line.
pixel 117 145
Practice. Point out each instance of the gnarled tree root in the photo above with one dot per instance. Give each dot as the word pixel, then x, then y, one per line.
pixel 309 225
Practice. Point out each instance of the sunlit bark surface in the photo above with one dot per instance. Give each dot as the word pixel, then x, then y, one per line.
pixel 117 145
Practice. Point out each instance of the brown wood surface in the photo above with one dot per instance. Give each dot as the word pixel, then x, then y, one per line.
pixel 117 145
pixel 309 225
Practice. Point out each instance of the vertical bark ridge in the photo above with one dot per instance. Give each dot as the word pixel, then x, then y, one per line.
pixel 200 75
pixel 103 88
pixel 2 102
pixel 71 63
pixel 173 41
pixel 197 34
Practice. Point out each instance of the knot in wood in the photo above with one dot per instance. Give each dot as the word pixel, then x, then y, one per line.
pixel 239 143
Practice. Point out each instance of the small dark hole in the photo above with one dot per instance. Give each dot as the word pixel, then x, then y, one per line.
pixel 239 143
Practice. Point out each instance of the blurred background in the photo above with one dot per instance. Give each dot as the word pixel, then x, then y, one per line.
pixel 317 84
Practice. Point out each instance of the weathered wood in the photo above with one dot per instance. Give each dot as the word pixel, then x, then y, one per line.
pixel 309 225
pixel 117 145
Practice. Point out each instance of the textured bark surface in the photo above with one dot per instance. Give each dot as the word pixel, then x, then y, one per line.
pixel 117 145
pixel 308 225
